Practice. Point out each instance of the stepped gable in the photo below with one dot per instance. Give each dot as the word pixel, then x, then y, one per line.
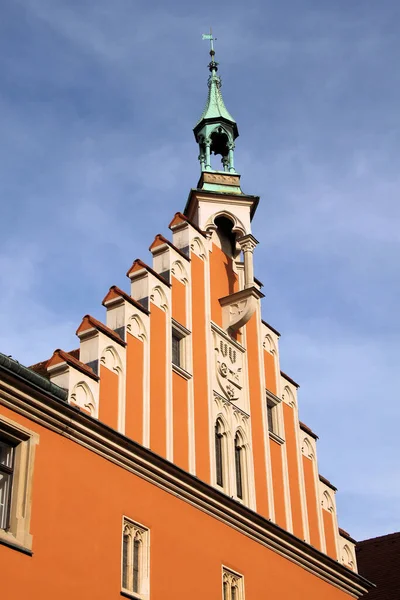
pixel 139 265
pixel 116 294
pixel 89 324
pixel 160 240
pixel 59 356
pixel 305 427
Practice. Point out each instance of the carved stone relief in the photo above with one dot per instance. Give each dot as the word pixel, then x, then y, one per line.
pixel 228 369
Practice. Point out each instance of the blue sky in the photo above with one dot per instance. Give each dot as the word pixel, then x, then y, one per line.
pixel 97 105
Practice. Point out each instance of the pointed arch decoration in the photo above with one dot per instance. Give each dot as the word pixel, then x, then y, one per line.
pixel 136 327
pixel 197 246
pixel 348 557
pixel 327 502
pixel 269 345
pixel 288 396
pixel 82 396
pixel 307 449
pixel 111 359
pixel 159 298
pixel 179 271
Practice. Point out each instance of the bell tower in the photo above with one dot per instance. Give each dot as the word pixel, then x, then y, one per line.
pixel 218 205
pixel 216 130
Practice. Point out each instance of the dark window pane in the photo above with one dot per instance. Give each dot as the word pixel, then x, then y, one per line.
pixel 270 417
pixel 6 479
pixel 125 561
pixel 136 550
pixel 176 350
pixel 238 467
pixel 6 455
pixel 234 592
pixel 218 455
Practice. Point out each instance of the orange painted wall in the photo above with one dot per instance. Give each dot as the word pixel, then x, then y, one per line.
pixel 329 529
pixel 181 421
pixel 277 480
pixel 270 372
pixel 178 301
pixel 294 481
pixel 223 281
pixel 108 397
pixel 158 409
pixel 77 525
pixel 311 497
pixel 134 388
pixel 254 369
pixel 200 381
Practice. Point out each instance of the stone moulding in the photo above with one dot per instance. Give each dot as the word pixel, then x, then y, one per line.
pixel 238 308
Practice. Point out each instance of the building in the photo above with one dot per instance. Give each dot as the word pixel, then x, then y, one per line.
pixel 164 458
pixel 379 559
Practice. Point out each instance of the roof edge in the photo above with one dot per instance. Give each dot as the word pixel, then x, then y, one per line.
pixel 32 378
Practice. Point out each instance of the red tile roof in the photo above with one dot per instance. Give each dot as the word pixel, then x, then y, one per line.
pixel 379 560
pixel 327 482
pixel 115 292
pixel 290 379
pixel 89 322
pixel 163 240
pixel 179 217
pixel 40 368
pixel 346 535
pixel 305 428
pixel 270 326
pixel 60 356
pixel 139 263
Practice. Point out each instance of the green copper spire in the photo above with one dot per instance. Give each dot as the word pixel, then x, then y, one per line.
pixel 216 129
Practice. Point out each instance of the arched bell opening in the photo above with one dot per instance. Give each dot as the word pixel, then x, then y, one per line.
pixel 226 236
pixel 219 142
pixel 219 145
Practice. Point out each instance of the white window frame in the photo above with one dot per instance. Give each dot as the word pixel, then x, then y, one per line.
pixel 24 441
pixel 183 334
pixel 232 578
pixel 135 530
pixel 274 402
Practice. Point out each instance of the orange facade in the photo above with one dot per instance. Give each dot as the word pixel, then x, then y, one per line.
pixel 78 501
pixel 164 457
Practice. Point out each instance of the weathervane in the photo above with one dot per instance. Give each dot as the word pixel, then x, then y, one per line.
pixel 209 36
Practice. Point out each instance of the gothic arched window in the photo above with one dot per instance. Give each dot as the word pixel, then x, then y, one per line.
pixel 135 558
pixel 239 466
pixel 219 452
pixel 233 585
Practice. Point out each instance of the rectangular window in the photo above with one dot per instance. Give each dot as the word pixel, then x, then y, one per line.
pixel 176 349
pixel 135 559
pixel 180 349
pixel 232 585
pixel 271 417
pixel 6 481
pixel 17 453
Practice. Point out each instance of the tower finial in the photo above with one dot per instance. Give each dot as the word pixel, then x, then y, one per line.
pixel 213 66
pixel 216 130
